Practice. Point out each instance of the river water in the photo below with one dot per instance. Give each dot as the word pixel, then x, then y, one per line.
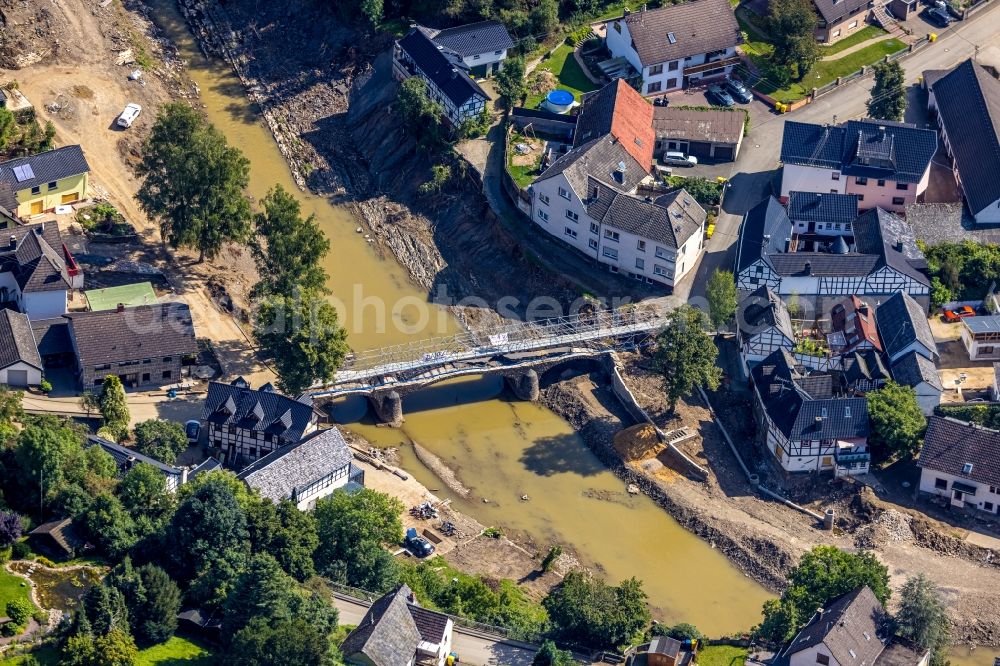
pixel 502 449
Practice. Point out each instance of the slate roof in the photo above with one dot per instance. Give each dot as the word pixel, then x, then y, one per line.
pixel 122 454
pixel 280 474
pixel 822 207
pixel 163 329
pixel 207 465
pixel 802 407
pixel 834 11
pixel 448 74
pixel 913 369
pixel 867 148
pixel 949 444
pixel 670 219
pixel 617 109
pixel 693 33
pixel 30 254
pixel 761 309
pixel 901 321
pixel 716 126
pixel 474 38
pixel 968 102
pixel 861 365
pixel 387 635
pixel 432 626
pixel 851 627
pixel 257 410
pixel 48 166
pixel 62 533
pixel 17 342
pixel 888 236
pixel 600 158
pixel 823 264
pixel 763 232
pixel 52 336
pixel 7 199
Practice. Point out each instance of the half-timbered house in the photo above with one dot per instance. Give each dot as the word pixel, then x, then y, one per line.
pixel 852 327
pixel 764 326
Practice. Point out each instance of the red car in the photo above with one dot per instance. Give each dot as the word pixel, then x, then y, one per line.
pixel 958 313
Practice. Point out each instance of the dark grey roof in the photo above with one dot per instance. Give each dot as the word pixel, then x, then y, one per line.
pixel 822 207
pixel 600 158
pixel 665 645
pixel 432 626
pixel 867 148
pixel 693 34
pixel 48 166
pixel 801 406
pixel 146 331
pixel 968 103
pixel 387 635
pixel 982 324
pixel 950 445
pixel 764 230
pixel 834 11
pixel 52 336
pixel 447 73
pixel 63 534
pixel 17 342
pixel 229 404
pixel 125 457
pixel 851 627
pixel 900 653
pixel 280 474
pixel 901 321
pixel 863 365
pixel 879 232
pixel 761 309
pixel 33 254
pixel 670 219
pixel 8 201
pixel 474 38
pixel 913 369
pixel 823 264
pixel 207 465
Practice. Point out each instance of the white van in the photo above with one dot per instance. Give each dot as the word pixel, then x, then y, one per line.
pixel 129 115
pixel 677 158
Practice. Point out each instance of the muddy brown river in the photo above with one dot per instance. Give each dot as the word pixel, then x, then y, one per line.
pixel 499 448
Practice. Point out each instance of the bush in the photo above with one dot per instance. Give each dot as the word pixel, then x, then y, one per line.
pixel 45 562
pixel 19 610
pixel 579 35
pixel 493 532
pixel 5 554
pixel 41 616
pixel 45 386
pixel 20 550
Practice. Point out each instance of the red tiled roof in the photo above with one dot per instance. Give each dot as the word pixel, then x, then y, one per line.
pixel 619 110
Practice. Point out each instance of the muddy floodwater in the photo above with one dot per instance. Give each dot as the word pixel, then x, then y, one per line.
pixel 979 656
pixel 498 448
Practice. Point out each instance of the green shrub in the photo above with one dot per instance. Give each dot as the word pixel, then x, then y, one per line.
pixel 45 562
pixel 579 35
pixel 19 610
pixel 493 532
pixel 40 616
pixel 20 550
pixel 45 386
pixel 5 554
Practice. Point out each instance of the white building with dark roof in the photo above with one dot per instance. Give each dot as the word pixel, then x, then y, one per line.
pixel 126 458
pixel 396 631
pixel 20 362
pixel 960 462
pixel 482 46
pixel 763 326
pixel 902 325
pixel 37 272
pixel 981 337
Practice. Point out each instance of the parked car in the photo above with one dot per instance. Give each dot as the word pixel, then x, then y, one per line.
pixel 192 429
pixel 717 95
pixel 938 16
pixel 959 313
pixel 738 91
pixel 129 115
pixel 661 101
pixel 677 158
pixel 416 544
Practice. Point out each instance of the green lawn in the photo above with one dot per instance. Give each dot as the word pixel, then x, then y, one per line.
pixel 571 77
pixel 863 35
pixel 756 44
pixel 615 9
pixel 176 652
pixel 722 655
pixel 11 588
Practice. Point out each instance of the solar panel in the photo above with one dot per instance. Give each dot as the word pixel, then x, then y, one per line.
pixel 23 173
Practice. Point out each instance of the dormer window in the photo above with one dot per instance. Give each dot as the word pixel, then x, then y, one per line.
pixel 967 468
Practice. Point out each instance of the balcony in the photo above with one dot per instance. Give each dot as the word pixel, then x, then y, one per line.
pixel 715 64
pixel 849 464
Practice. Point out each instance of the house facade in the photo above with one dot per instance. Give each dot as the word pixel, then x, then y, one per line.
pixel 764 326
pixel 838 19
pixel 960 462
pixel 37 272
pixel 885 164
pixel 246 424
pixel 981 337
pixel 919 373
pixel 449 82
pixel 126 458
pixel 674 47
pixel 20 362
pixel 41 182
pixel 482 46
pixel 397 631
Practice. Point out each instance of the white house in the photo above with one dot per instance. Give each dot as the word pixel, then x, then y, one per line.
pixel 764 326
pixel 305 471
pixel 677 45
pixel 396 630
pixel 482 46
pixel 959 462
pixel 36 270
pixel 917 371
pixel 981 337
pixel 449 82
pixel 20 363
pixel 885 164
pixel 126 458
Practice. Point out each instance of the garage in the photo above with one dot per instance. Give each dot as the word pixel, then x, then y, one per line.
pixel 712 135
pixel 20 363
pixel 17 378
pixel 724 153
pixel 701 149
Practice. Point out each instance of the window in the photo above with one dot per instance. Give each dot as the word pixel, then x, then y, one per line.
pixel 898 201
pixel 36 189
pixel 656 69
pixel 146 361
pixel 53 185
pixel 672 67
pixel 835 175
pixel 881 182
pixel 475 57
pixel 618 26
pixel 268 437
pixel 837 226
pixel 902 186
pixel 563 193
pixel 832 191
pixel 570 231
pixel 641 245
pixel 98 382
pixel 106 366
pixel 671 83
pixel 611 235
pixel 497 52
pixel 988 506
pixel 861 180
pixel 168 359
pixel 993 489
pixel 543 216
pixel 610 252
pixel 654 87
pixel 829 225
pixel 592 243
pixel 167 374
pixel 640 264
pixel 595 228
pixel 854 24
pixel 861 197
pixel 661 253
pixel 836 33
pixel 660 270
pixel 544 198
pixel 822 659
pixel 572 216
pixel 940 484
pixel 145 377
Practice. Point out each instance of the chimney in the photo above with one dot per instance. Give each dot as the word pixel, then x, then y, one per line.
pixel 129 462
pixel 13 242
pixel 121 307
pixel 40 228
pixel 898 245
pixel 808 269
pixel 819 613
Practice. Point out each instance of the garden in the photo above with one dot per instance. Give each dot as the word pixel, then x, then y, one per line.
pixel 524 157
pixel 177 651
pixel 564 72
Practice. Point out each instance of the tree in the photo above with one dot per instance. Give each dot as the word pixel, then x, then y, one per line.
pixel 11 405
pixel 109 526
pixel 509 81
pixel 923 619
pixel 550 558
pixel 681 631
pixel 550 655
pixel 143 492
pixel 685 354
pixel 262 591
pixel 288 248
pixel 791 24
pixel 287 642
pixel 888 98
pixel 421 116
pixel 352 527
pixel 722 298
pixel 10 528
pixel 304 338
pixel 372 10
pixel 105 609
pixel 43 453
pixel 823 574
pixel 162 440
pixel 294 541
pixel 114 407
pixel 897 424
pixel 544 17
pixel 588 611
pixel 440 175
pixel 193 182
pixel 116 648
pixel 90 402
